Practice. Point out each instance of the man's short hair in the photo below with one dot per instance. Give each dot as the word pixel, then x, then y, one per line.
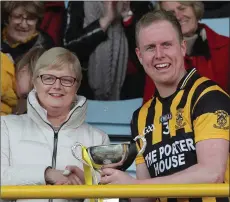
pixel 155 16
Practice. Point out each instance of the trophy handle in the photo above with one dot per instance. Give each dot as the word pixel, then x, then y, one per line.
pixel 73 149
pixel 144 143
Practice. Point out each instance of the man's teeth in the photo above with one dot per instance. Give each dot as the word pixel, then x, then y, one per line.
pixel 182 23
pixel 162 65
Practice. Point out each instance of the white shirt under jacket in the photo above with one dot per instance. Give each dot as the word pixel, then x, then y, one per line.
pixel 27 143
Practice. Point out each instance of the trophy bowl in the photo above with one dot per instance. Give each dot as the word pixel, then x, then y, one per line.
pixel 113 154
pixel 119 156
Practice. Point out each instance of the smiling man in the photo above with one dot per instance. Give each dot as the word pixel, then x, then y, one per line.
pixel 190 114
pixel 206 50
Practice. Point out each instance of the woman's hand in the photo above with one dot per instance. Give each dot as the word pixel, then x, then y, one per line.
pixel 74 177
pixel 114 176
pixel 124 9
pixel 110 14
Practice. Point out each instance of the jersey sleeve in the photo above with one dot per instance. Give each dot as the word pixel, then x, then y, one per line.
pixel 134 130
pixel 211 116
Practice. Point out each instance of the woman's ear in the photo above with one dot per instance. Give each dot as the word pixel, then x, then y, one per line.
pixel 78 85
pixel 34 86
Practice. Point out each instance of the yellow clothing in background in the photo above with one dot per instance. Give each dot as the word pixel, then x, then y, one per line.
pixel 8 92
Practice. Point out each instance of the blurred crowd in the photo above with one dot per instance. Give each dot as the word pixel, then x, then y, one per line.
pixel 102 35
pixel 54 57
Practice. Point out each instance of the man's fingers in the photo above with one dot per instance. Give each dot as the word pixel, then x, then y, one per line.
pixel 73 179
pixel 77 171
pixel 61 182
pixel 105 180
pixel 77 180
pixel 73 169
pixel 112 165
pixel 107 171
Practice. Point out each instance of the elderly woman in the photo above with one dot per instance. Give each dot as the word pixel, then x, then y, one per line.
pixel 207 51
pixel 20 30
pixel 36 147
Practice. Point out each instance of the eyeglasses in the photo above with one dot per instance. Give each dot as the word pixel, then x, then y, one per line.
pixel 30 20
pixel 49 79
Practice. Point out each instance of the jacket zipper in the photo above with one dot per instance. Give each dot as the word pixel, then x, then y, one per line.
pixel 54 156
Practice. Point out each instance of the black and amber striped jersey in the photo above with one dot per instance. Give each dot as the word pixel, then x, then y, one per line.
pixel 198 110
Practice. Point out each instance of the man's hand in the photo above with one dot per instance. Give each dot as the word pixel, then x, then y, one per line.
pixel 74 170
pixel 52 176
pixel 113 176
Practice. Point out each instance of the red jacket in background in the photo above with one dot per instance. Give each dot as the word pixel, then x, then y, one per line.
pixel 217 68
pixel 53 20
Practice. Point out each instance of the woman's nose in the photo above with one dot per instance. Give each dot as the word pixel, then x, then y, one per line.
pixel 178 15
pixel 24 23
pixel 57 84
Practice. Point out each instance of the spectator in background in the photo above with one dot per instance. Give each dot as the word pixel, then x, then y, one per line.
pixel 24 71
pixel 16 83
pixel 20 31
pixel 82 40
pixel 89 33
pixel 40 140
pixel 53 20
pixel 207 51
pixel 133 86
pixel 8 86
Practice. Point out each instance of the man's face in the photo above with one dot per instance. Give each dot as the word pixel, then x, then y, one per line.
pixel 161 53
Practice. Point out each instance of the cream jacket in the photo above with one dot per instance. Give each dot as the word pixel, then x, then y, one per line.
pixel 28 143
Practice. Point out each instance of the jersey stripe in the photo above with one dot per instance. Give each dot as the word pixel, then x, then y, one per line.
pixel 173 109
pixel 165 155
pixel 157 133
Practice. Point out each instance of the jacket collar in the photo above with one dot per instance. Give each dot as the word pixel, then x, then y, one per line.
pixel 201 46
pixel 215 40
pixel 38 114
pixel 206 41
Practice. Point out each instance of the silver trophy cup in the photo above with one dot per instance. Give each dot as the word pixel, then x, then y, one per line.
pixel 119 156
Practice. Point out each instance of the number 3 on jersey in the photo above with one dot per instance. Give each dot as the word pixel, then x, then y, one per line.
pixel 165 128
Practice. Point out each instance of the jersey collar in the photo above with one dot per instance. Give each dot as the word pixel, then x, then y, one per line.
pixel 187 79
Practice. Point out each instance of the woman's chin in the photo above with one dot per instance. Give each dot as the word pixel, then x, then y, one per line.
pixel 21 39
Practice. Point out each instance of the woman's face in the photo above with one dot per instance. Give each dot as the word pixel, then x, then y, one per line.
pixel 21 26
pixel 184 14
pixel 56 89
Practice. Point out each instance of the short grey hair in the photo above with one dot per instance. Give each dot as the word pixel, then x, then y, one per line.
pixel 58 58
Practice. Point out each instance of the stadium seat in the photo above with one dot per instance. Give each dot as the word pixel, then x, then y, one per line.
pixel 113 117
pixel 219 25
